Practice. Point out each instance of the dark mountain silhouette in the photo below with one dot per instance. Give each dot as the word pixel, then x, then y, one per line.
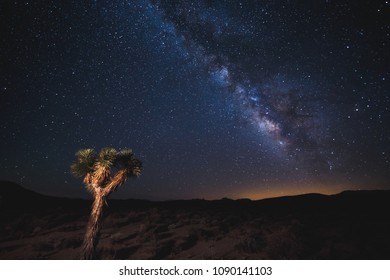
pixel 349 225
pixel 15 198
pixel 10 190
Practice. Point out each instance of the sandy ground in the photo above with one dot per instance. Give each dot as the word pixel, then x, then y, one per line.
pixel 351 225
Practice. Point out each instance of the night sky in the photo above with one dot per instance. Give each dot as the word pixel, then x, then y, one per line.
pixel 217 98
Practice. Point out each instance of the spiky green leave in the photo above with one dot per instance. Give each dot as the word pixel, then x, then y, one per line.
pixel 103 164
pixel 107 157
pixel 135 167
pixel 84 164
pixel 127 160
pixel 96 168
pixel 125 153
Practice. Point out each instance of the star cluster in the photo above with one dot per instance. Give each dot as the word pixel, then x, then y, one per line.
pixel 217 98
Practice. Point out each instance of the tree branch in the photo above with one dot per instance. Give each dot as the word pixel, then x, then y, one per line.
pixel 119 178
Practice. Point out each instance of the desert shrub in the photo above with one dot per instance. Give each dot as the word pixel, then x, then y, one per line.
pixel 126 252
pixel 43 246
pixel 71 243
pixel 283 243
pixel 161 228
pixel 252 242
pixel 188 242
pixel 164 249
pixel 206 233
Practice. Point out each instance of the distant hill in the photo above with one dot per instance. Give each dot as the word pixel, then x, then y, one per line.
pixel 14 197
pixel 10 190
pixel 14 194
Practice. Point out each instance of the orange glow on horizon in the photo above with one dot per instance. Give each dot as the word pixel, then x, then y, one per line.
pixel 257 193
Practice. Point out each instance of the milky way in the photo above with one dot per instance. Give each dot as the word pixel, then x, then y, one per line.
pixel 268 108
pixel 217 98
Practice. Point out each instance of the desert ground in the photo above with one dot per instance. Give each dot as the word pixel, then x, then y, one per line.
pixel 349 225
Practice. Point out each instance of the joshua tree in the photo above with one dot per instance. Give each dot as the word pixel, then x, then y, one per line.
pixel 98 179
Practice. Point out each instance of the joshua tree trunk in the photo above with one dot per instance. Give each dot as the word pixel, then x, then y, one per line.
pixel 100 194
pixel 93 228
